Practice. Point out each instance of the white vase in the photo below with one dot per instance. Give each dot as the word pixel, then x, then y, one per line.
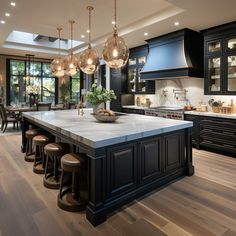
pixel 97 107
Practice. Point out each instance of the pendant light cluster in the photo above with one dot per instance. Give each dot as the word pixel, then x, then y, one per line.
pixel 115 53
pixel 88 59
pixel 57 65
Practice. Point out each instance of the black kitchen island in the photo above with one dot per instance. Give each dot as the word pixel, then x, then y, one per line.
pixel 126 159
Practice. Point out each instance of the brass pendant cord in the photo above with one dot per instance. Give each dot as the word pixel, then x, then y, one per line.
pixel 71 34
pixel 59 38
pixel 89 8
pixel 115 25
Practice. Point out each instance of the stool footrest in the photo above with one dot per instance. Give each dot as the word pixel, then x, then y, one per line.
pixel 67 202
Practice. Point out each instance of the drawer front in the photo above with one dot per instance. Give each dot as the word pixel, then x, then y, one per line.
pixel 220 123
pixel 217 144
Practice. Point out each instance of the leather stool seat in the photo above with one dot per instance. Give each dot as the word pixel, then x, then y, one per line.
pixel 39 162
pixel 41 140
pixel 69 197
pixel 54 151
pixel 30 134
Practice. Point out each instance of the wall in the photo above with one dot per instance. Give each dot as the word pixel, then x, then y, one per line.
pixel 195 93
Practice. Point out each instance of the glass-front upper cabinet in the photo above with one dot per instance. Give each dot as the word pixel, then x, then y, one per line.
pixel 214 46
pixel 214 74
pixel 231 74
pixel 132 80
pixel 231 44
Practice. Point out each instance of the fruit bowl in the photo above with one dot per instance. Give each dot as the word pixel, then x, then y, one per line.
pixel 105 116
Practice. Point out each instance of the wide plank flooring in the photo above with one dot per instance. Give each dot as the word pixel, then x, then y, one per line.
pixel 204 204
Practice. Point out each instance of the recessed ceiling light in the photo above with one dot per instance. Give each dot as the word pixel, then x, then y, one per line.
pixel 7 14
pixel 176 23
pixel 2 22
pixel 113 22
pixel 13 4
pixel 88 31
pixel 146 34
pixel 82 36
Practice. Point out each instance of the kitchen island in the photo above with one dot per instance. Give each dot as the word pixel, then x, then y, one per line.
pixel 126 159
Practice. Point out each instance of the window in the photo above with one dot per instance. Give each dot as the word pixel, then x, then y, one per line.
pixel 40 76
pixel 75 87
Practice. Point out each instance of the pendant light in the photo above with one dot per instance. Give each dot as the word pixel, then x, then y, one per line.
pixel 89 60
pixel 28 77
pixel 115 52
pixel 71 61
pixel 57 65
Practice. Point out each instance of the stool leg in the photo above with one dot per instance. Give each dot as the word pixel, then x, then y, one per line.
pixel 27 147
pixel 36 155
pixel 75 185
pixel 46 166
pixel 43 157
pixel 56 168
pixel 31 146
pixel 61 183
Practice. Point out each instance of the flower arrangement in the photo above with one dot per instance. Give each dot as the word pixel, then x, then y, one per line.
pixel 98 94
pixel 32 89
pixel 214 103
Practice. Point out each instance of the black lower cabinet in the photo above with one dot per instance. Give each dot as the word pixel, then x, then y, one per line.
pixel 137 164
pixel 195 130
pixel 215 134
pixel 151 162
pixel 133 111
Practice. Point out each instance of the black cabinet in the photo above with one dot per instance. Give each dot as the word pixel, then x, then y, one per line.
pixel 214 134
pixel 137 59
pixel 220 60
pixel 118 84
pixel 133 111
pixel 195 130
pixel 136 164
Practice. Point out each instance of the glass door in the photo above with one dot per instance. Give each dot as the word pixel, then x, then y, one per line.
pixel 141 84
pixel 214 75
pixel 231 73
pixel 132 80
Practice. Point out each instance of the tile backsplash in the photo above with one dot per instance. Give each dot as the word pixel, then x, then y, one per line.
pixel 172 92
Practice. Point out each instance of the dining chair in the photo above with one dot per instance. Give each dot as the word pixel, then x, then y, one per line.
pixel 43 106
pixel 6 118
pixel 60 106
pixel 72 105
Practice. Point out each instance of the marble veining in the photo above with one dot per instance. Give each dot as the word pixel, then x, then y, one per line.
pixel 212 114
pixel 88 131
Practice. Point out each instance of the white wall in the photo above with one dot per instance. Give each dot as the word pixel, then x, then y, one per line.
pixel 194 96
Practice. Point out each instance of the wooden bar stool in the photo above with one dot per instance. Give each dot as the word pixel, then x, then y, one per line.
pixel 30 134
pixel 69 197
pixel 39 161
pixel 54 151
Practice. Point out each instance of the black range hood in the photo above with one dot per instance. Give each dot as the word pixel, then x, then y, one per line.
pixel 174 55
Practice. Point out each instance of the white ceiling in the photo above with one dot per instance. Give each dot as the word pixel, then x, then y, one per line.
pixel 134 17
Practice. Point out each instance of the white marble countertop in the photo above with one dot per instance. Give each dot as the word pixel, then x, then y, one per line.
pixel 212 114
pixel 88 131
pixel 137 107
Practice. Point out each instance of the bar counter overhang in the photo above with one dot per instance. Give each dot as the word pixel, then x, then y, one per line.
pixel 126 159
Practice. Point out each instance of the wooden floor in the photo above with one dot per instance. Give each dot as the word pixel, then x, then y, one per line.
pixel 204 204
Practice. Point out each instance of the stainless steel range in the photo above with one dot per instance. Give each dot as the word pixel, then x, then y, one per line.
pixel 176 113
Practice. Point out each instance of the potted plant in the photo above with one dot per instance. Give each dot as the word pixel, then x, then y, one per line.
pixel 65 93
pixel 215 105
pixel 98 95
